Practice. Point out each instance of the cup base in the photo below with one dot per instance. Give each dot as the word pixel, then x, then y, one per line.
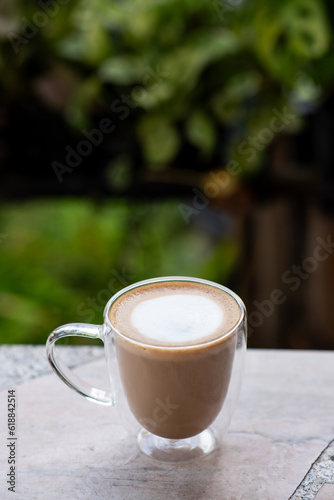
pixel 176 450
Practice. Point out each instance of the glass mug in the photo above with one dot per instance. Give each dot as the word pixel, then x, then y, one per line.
pixel 183 396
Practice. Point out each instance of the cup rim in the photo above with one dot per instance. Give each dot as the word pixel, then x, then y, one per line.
pixel 163 279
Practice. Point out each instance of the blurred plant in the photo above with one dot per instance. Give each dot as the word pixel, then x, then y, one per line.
pixel 177 71
pixel 58 257
pixel 190 84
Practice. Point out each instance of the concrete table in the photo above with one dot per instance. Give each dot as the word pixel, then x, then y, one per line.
pixel 280 444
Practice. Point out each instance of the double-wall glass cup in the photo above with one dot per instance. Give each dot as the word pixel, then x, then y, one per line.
pixel 181 396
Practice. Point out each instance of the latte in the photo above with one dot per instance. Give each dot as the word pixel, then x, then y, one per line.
pixel 175 350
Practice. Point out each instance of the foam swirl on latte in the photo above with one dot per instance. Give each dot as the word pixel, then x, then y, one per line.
pixel 176 313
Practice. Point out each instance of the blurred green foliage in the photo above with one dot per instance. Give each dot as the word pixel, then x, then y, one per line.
pixel 176 72
pixel 61 261
pixel 186 66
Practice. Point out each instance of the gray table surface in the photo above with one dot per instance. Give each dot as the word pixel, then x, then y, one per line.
pixel 279 446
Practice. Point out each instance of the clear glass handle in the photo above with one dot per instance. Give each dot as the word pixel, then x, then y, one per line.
pixel 66 375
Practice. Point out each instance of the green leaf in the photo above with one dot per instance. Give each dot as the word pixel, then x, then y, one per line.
pixel 307 27
pixel 160 140
pixel 79 109
pixel 122 70
pixel 185 64
pixel 228 102
pixel 297 32
pixel 201 131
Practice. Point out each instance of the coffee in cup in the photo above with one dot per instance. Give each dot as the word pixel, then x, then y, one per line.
pixel 175 351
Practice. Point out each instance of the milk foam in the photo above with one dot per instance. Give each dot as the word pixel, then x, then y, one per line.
pixel 175 313
pixel 177 318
